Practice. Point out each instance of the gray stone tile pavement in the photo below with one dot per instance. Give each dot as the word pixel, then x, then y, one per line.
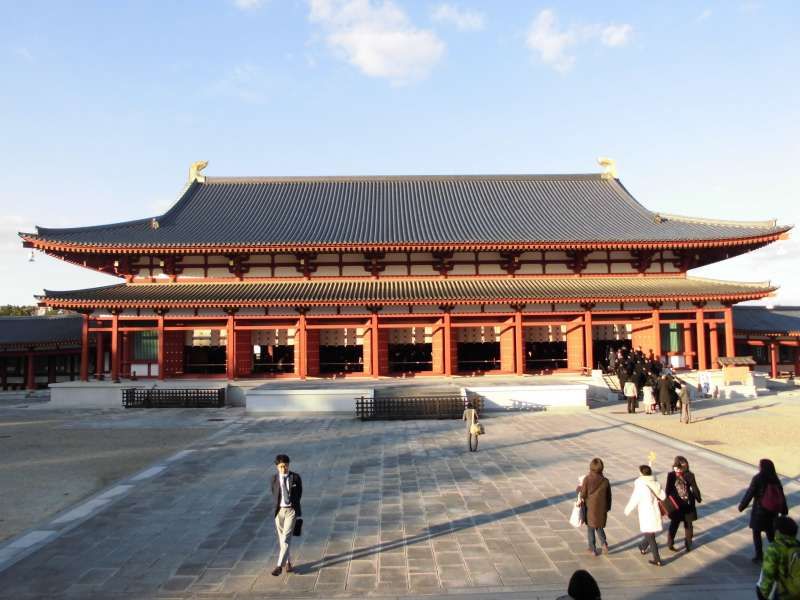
pixel 392 509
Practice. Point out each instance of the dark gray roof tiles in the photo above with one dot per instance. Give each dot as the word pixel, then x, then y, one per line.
pixel 424 210
pixel 369 291
pixel 32 331
pixel 782 320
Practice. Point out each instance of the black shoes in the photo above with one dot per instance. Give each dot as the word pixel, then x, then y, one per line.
pixel 276 571
pixel 672 548
pixel 656 563
pixel 289 567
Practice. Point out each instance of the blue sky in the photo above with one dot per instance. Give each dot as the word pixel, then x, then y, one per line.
pixel 103 105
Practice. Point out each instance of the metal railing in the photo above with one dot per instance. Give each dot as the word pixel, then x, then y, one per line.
pixel 414 407
pixel 173 398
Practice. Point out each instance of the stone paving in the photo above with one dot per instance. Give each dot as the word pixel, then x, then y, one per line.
pixel 391 509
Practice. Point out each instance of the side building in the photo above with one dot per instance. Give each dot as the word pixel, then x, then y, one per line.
pixel 395 276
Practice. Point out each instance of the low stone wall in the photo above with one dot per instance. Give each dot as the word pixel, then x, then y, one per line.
pixel 531 397
pixel 319 400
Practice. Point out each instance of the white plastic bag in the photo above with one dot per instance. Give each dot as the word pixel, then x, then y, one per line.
pixel 576 517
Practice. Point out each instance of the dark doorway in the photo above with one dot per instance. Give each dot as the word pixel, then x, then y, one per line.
pixel 272 360
pixel 341 359
pixel 545 357
pixel 603 348
pixel 410 358
pixel 476 357
pixel 204 360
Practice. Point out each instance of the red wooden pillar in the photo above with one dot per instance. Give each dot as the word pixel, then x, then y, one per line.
pixel 589 341
pixel 773 359
pixel 300 338
pixel 688 343
pixel 114 347
pixel 448 344
pixel 85 348
pixel 375 364
pixel 99 362
pixel 656 323
pixel 713 344
pixel 730 347
pixel 701 340
pixel 30 373
pixel 519 343
pixel 230 347
pixel 161 347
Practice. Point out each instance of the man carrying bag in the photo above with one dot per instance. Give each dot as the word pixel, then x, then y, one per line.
pixel 287 489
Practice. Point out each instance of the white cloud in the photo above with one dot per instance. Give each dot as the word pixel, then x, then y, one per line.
pixel 706 14
pixel 615 35
pixel 23 53
pixel 378 38
pixel 247 82
pixel 248 4
pixel 463 19
pixel 552 44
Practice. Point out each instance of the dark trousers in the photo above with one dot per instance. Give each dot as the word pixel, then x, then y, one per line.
pixel 472 442
pixel 649 541
pixel 770 531
pixel 601 533
pixel 688 529
pixel 631 404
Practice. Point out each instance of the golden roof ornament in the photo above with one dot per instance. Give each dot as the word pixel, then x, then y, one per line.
pixel 194 171
pixel 610 166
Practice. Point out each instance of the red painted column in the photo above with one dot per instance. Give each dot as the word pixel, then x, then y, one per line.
pixel 99 362
pixel 114 347
pixel 30 373
pixel 85 348
pixel 300 336
pixel 773 360
pixel 687 346
pixel 448 345
pixel 230 350
pixel 519 344
pixel 701 340
pixel 161 348
pixel 589 342
pixel 730 347
pixel 656 324
pixel 713 342
pixel 375 364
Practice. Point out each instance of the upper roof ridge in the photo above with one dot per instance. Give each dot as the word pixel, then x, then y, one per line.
pixel 430 177
pixel 707 221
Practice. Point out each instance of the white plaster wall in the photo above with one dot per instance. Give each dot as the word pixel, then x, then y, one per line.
pixel 530 397
pixel 323 400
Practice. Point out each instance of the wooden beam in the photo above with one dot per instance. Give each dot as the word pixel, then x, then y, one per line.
pixel 773 360
pixel 99 363
pixel 702 365
pixel 115 347
pixel 85 348
pixel 589 341
pixel 519 344
pixel 448 342
pixel 374 347
pixel 161 355
pixel 730 347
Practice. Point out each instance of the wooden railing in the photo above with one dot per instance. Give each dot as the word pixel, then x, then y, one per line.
pixel 173 398
pixel 416 407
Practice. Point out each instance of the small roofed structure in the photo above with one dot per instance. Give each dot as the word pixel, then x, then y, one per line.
pixel 736 369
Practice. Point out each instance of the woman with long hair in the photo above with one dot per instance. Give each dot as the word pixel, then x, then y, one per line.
pixel 682 493
pixel 766 493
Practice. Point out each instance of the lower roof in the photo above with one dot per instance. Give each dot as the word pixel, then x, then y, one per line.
pixel 540 290
pixel 778 320
pixel 33 331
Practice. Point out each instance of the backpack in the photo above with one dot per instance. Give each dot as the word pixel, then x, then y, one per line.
pixel 772 499
pixel 789 575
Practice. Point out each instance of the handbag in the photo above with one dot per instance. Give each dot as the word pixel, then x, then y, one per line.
pixel 662 507
pixel 298 527
pixel 576 518
pixel 476 429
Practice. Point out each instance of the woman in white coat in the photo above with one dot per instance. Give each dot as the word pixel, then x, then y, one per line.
pixel 646 494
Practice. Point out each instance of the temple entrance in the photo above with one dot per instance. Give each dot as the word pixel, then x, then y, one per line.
pixel 607 340
pixel 545 348
pixel 205 352
pixel 478 349
pixel 341 351
pixel 273 351
pixel 410 350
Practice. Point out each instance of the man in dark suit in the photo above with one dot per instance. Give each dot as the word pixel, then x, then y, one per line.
pixel 287 489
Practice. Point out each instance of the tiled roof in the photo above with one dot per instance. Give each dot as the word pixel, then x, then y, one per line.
pixel 353 212
pixel 31 331
pixel 780 320
pixel 420 291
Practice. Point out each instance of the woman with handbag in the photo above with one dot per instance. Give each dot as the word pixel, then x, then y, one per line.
pixel 646 499
pixel 595 493
pixel 766 493
pixel 682 493
pixel 474 428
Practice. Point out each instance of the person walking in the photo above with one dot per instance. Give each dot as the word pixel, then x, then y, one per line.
pixel 471 417
pixel 595 493
pixel 780 573
pixel 648 397
pixel 686 401
pixel 766 493
pixel 682 494
pixel 287 489
pixel 665 386
pixel 646 494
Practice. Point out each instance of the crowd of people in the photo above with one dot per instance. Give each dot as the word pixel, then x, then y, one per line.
pixel 677 502
pixel 645 378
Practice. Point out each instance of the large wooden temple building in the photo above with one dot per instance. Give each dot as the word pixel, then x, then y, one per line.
pixel 303 277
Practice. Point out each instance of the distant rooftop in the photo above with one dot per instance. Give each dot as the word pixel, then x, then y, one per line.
pixel 33 331
pixel 780 320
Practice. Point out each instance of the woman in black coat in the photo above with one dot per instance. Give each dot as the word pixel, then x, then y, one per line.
pixel 682 494
pixel 761 517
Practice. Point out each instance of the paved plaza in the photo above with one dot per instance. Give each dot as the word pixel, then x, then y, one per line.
pixel 391 509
